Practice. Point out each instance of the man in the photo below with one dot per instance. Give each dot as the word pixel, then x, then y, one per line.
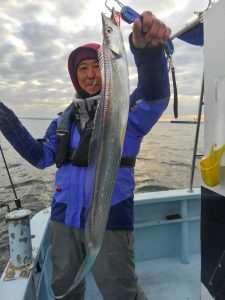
pixel 114 269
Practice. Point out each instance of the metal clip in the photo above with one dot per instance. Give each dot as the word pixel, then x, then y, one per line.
pixel 115 15
pixel 129 15
pixel 109 8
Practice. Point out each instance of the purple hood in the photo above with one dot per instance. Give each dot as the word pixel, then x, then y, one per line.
pixel 76 56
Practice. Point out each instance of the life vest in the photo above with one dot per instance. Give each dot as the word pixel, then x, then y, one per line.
pixel 79 157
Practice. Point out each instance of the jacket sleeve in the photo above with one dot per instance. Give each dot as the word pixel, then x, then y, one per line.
pixel 38 152
pixel 151 97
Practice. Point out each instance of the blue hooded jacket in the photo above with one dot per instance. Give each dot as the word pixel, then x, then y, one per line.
pixel 147 103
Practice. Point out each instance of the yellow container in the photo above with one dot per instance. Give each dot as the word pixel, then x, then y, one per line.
pixel 210 166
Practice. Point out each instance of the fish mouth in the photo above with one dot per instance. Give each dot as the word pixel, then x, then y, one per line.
pixel 103 17
pixel 112 18
pixel 108 28
pixel 104 20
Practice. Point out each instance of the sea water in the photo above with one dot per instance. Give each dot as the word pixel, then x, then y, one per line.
pixel 164 163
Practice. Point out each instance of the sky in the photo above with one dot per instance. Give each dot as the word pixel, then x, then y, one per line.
pixel 38 36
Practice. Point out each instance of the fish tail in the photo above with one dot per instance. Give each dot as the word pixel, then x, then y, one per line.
pixel 82 272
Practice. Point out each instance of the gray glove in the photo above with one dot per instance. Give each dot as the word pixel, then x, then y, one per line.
pixel 7 117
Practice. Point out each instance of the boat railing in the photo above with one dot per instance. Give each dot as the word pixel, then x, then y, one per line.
pixel 196 137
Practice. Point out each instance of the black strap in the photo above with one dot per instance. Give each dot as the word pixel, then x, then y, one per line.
pixel 80 156
pixel 80 161
pixel 128 162
pixel 63 135
pixel 63 147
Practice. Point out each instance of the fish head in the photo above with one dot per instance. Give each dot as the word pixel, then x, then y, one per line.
pixel 112 36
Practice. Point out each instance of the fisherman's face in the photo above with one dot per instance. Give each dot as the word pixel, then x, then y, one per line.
pixel 89 76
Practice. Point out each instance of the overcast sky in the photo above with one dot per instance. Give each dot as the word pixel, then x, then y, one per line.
pixel 38 36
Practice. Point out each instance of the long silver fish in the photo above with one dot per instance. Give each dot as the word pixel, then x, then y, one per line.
pixel 106 143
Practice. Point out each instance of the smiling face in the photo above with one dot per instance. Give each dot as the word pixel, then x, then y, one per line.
pixel 89 76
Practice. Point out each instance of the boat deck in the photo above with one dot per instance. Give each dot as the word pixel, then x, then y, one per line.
pixel 167 248
pixel 162 279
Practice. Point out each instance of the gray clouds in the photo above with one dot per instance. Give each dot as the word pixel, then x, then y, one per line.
pixel 38 36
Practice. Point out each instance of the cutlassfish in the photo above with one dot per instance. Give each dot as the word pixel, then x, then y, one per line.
pixel 107 140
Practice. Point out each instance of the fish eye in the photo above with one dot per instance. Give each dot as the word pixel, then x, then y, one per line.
pixel 109 29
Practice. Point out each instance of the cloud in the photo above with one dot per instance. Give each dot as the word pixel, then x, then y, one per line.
pixel 38 36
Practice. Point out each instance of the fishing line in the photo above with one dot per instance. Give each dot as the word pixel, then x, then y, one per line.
pixel 17 200
pixel 95 80
pixel 94 83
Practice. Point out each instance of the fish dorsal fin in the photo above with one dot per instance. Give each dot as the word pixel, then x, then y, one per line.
pixel 101 60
